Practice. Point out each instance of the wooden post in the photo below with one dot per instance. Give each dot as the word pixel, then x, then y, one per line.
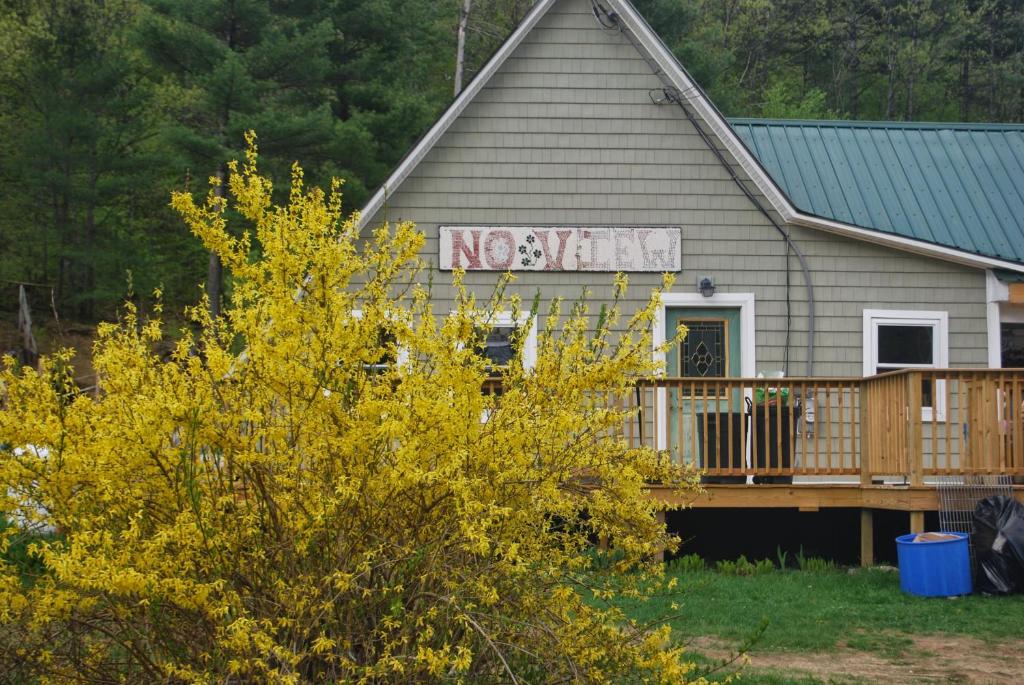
pixel 915 444
pixel 917 522
pixel 660 516
pixel 867 538
pixel 864 442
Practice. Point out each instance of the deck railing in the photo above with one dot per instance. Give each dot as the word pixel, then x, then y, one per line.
pixel 907 424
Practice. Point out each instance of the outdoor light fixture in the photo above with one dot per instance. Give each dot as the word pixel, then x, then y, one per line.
pixel 706 286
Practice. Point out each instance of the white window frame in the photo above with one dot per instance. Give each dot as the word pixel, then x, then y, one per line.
pixel 938 321
pixel 529 349
pixel 402 358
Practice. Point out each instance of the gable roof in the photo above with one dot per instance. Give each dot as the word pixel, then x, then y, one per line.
pixel 665 65
pixel 955 185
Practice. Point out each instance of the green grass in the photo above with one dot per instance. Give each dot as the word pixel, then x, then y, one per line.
pixel 821 611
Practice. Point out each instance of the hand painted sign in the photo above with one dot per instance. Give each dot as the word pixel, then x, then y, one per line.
pixel 585 248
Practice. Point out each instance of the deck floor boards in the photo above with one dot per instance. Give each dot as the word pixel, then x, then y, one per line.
pixel 810 497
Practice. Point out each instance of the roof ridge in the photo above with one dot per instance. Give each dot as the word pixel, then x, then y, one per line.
pixel 856 123
pixel 666 66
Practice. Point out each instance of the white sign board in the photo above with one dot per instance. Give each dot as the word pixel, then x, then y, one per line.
pixel 585 248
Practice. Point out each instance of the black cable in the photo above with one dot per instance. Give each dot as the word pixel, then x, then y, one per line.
pixel 675 96
pixel 672 95
pixel 609 20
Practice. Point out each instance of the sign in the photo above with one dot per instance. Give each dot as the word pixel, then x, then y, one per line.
pixel 584 248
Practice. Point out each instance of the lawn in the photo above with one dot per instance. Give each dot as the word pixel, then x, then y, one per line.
pixel 834 613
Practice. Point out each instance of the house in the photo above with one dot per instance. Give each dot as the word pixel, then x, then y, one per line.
pixel 878 266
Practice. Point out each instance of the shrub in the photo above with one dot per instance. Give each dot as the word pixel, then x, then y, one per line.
pixel 690 563
pixel 743 567
pixel 270 503
pixel 813 564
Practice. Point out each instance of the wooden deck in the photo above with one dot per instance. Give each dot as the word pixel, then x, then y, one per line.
pixel 908 425
pixel 811 497
pixel 875 443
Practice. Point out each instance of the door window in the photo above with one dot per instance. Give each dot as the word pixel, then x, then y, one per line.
pixel 1013 345
pixel 704 353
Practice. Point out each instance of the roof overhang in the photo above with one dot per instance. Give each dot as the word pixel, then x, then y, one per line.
pixel 673 73
pixel 430 138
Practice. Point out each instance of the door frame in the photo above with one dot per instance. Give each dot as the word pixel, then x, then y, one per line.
pixel 748 348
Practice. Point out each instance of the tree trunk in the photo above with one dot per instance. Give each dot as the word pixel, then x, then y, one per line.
pixel 854 65
pixel 965 89
pixel 460 51
pixel 912 70
pixel 88 304
pixel 890 98
pixel 65 238
pixel 992 80
pixel 29 350
pixel 215 270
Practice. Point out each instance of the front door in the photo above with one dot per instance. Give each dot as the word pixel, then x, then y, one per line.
pixel 702 425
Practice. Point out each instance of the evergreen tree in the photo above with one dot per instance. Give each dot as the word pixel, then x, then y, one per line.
pixel 77 160
pixel 228 66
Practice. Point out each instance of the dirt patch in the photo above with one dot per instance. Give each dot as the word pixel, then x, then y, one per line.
pixel 928 659
pixel 51 337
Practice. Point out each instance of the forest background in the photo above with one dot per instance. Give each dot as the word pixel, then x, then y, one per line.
pixel 106 106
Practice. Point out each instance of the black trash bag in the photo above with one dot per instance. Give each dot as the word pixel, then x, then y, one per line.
pixel 999 545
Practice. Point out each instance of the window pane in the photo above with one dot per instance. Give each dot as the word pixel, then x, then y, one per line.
pixel 703 353
pixel 905 344
pixel 386 341
pixel 498 347
pixel 1013 345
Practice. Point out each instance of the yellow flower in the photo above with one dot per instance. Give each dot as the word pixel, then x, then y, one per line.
pixel 304 490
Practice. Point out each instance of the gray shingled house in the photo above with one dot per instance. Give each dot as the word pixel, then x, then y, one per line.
pixel 878 266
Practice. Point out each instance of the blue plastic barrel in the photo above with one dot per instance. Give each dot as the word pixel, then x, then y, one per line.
pixel 934 569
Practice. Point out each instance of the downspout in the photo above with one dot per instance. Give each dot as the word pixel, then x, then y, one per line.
pixel 672 95
pixel 610 20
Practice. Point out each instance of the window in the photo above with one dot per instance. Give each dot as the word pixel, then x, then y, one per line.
pixel 704 352
pixel 1012 345
pixel 895 340
pixel 390 352
pixel 498 347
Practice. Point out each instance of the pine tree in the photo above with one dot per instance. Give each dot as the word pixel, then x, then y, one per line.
pixel 76 154
pixel 227 66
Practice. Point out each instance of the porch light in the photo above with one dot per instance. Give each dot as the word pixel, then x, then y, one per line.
pixel 706 286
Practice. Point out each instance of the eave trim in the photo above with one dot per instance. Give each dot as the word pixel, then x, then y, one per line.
pixel 416 155
pixel 678 77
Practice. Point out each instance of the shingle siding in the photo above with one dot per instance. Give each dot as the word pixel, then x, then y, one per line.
pixel 566 134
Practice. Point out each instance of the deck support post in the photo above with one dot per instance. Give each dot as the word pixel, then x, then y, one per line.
pixel 660 518
pixel 867 538
pixel 917 522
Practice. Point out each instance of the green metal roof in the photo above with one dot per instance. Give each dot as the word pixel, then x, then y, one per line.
pixel 955 185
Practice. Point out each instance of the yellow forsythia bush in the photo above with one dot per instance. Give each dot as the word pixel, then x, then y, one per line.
pixel 322 486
